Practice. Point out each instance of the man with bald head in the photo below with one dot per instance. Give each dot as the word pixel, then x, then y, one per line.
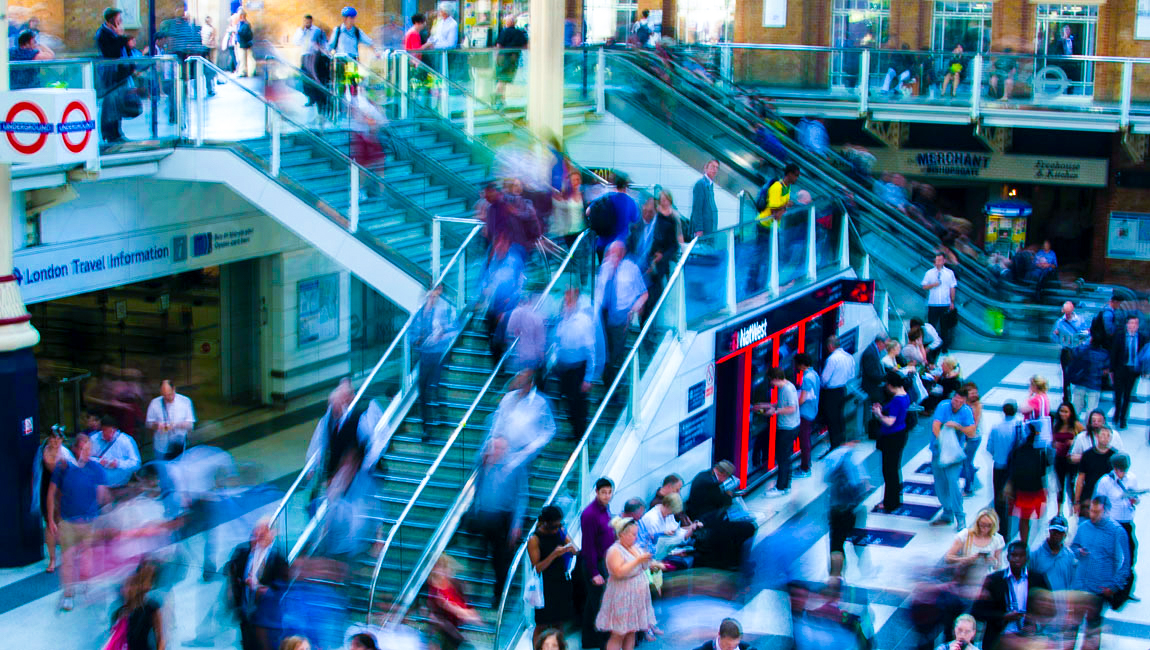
pixel 1069 332
pixel 171 417
pixel 257 574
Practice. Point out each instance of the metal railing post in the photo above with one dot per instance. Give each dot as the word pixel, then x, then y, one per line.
pixel 179 97
pixel 445 97
pixel 201 101
pixel 812 247
pixel 275 164
pixel 469 117
pixel 725 64
pixel 601 83
pixel 88 82
pixel 732 275
pixel 406 362
pixel 864 82
pixel 401 69
pixel 844 241
pixel 1127 89
pixel 584 476
pixel 774 270
pixel 461 295
pixel 353 216
pixel 633 401
pixel 976 88
pixel 886 310
pixel 681 307
pixel 864 272
pixel 436 231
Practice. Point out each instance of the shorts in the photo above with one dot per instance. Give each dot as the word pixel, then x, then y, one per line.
pixel 74 533
pixel 1029 505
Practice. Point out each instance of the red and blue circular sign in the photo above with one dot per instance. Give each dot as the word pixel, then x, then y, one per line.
pixel 28 118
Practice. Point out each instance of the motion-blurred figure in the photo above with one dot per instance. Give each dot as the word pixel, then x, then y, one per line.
pixel 343 429
pixel 575 358
pixel 171 417
pixel 431 334
pixel 525 323
pixel 621 293
pixel 50 453
pixel 116 452
pixel 256 575
pixel 497 511
pixel 502 284
pixel 77 491
pixel 523 419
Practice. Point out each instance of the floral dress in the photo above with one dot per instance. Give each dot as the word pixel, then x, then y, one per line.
pixel 627 599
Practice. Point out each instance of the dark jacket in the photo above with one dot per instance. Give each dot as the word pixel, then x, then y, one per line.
pixel 275 574
pixel 111 46
pixel 1028 467
pixel 707 499
pixel 1088 364
pixel 1118 351
pixel 704 212
pixel 664 240
pixel 990 607
pixel 872 371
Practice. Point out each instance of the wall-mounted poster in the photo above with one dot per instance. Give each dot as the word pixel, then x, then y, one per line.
pixel 131 9
pixel 774 13
pixel 1129 236
pixel 318 305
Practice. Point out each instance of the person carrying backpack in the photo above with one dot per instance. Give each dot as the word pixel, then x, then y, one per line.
pixel 612 215
pixel 772 202
pixel 245 36
pixel 1026 488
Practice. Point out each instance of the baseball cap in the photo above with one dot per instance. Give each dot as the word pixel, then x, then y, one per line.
pixel 1058 523
pixel 348 12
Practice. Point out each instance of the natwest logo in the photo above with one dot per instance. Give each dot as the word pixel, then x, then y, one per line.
pixel 749 334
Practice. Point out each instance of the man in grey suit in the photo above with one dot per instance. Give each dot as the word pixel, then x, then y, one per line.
pixel 704 212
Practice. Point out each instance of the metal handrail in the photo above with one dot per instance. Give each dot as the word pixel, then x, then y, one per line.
pixel 313 460
pixel 583 442
pixel 455 435
pixel 832 50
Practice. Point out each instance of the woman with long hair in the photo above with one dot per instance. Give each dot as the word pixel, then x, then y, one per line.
pixel 139 617
pixel 1037 404
pixel 1066 428
pixel 978 548
pixel 51 452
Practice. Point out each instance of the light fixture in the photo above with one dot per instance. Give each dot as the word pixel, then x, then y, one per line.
pixel 1012 193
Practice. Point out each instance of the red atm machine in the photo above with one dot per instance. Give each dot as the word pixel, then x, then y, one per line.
pixel 746 350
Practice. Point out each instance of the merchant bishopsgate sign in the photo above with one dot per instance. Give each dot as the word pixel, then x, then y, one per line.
pixel 993 166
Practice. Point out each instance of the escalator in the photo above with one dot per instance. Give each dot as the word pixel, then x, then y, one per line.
pixel 668 103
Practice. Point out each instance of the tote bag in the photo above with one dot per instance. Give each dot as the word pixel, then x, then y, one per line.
pixel 950 450
pixel 119 638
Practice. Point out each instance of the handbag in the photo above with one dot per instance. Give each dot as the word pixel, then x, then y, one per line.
pixel 119 637
pixel 128 102
pixel 950 450
pixel 533 589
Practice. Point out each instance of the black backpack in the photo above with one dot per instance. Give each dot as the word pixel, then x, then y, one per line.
pixel 761 199
pixel 601 216
pixel 643 34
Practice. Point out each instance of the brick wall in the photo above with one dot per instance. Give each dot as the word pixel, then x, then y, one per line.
pixel 1118 199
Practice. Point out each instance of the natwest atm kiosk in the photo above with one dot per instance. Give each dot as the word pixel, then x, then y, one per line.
pixel 766 339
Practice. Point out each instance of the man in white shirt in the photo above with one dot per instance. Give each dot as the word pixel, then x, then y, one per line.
pixel 304 37
pixel 1121 487
pixel 839 369
pixel 171 418
pixel 941 286
pixel 524 419
pixel 575 358
pixel 445 32
pixel 116 452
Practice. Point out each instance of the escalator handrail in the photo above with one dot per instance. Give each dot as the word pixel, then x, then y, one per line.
pixel 584 441
pixel 313 460
pixel 455 434
pixel 880 211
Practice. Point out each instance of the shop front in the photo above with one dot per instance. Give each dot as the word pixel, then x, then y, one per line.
pixel 746 350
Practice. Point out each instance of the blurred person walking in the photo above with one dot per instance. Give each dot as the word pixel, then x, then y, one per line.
pixel 1026 488
pixel 1103 553
pixel 978 548
pixel 1095 463
pixel 432 333
pixel 575 358
pixel 257 573
pixel 1089 363
pixel 1121 487
pixel 612 215
pixel 1004 438
pixel 171 418
pixel 892 437
pixel 1066 428
pixel 622 293
pixel 340 431
pixel 50 453
pixel 138 621
pixel 523 419
pixel 654 242
pixel 497 510
pixel 1053 558
pixel 1125 368
pixel 77 492
pixel 847 485
pixel 502 284
pixel 598 536
pixel 245 38
pixel 567 211
pixel 549 548
pixel 112 43
pixel 447 606
pixel 525 325
pixel 941 287
pixel 837 372
pixel 626 608
pixel 1068 333
pixel 510 42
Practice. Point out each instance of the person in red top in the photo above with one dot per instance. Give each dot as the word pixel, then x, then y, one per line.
pixel 447 606
pixel 413 39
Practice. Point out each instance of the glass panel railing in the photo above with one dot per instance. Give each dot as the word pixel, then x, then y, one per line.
pixel 798 72
pixel 138 99
pixel 455 463
pixel 1139 84
pixel 1048 83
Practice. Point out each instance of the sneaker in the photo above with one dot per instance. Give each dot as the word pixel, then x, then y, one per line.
pixel 942 521
pixel 775 493
pixel 801 474
pixel 67 604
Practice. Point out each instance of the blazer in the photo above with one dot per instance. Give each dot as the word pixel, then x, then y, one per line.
pixel 990 607
pixel 707 498
pixel 704 211
pixel 275 572
pixel 1118 351
pixel 872 371
pixel 665 240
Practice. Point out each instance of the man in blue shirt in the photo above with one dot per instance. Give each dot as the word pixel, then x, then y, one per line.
pixel 1102 549
pixel 1004 437
pixel 953 413
pixel 624 211
pixel 809 387
pixel 76 493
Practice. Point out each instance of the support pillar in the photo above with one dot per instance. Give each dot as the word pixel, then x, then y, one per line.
pixel 21 541
pixel 545 69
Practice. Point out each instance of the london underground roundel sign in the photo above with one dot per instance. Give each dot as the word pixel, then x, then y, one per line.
pixel 48 126
pixel 16 122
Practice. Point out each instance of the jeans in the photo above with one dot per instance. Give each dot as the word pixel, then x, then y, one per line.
pixel 946 486
pixel 1084 400
pixel 784 448
pixel 903 77
pixel 934 314
pixel 806 427
pixel 969 472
